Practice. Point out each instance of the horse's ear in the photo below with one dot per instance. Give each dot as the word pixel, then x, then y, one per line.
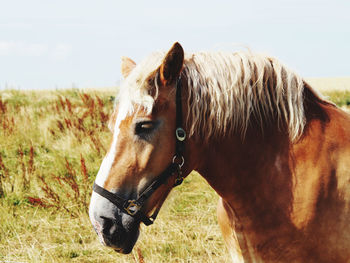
pixel 127 66
pixel 172 64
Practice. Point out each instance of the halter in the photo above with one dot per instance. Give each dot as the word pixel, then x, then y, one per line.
pixel 134 207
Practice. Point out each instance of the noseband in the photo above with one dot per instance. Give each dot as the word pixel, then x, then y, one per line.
pixel 134 207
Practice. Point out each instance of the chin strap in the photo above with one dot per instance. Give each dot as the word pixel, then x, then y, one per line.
pixel 133 207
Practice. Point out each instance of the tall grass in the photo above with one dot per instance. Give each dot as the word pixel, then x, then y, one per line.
pixel 51 146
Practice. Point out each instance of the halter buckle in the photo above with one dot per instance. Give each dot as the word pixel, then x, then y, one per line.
pixel 178 180
pixel 131 207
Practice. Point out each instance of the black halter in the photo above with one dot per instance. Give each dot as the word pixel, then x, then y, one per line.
pixel 133 207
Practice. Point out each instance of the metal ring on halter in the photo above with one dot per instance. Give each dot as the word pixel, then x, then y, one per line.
pixel 182 160
pixel 180 134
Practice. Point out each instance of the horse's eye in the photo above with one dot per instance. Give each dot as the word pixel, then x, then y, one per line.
pixel 144 127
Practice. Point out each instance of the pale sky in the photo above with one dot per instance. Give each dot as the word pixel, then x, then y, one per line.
pixel 46 44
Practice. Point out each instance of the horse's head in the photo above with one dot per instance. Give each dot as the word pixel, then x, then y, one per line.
pixel 142 148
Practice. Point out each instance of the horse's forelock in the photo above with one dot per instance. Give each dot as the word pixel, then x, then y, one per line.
pixel 135 90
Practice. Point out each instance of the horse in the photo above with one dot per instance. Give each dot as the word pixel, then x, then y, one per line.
pixel 275 151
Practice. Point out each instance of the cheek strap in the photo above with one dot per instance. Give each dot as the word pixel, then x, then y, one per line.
pixel 134 207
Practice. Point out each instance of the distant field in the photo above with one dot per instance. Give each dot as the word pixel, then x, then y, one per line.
pixel 51 146
pixel 330 84
pixel 334 89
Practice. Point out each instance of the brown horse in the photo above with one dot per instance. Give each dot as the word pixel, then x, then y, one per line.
pixel 277 154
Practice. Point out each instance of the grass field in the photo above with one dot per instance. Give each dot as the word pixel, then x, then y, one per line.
pixel 51 146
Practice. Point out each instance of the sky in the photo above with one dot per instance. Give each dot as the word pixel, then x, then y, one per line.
pixel 46 44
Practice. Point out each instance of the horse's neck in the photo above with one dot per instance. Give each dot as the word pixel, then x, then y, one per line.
pixel 258 172
pixel 281 193
pixel 239 170
pixel 254 179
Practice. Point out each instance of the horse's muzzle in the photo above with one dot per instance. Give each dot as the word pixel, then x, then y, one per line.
pixel 114 228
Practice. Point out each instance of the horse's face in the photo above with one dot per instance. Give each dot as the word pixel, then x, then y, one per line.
pixel 142 147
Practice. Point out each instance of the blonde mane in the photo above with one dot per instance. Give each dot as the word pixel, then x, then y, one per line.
pixel 226 91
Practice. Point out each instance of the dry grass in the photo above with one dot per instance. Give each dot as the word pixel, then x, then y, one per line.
pixel 51 146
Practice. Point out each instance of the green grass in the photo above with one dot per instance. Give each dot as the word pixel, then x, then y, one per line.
pixel 341 98
pixel 51 146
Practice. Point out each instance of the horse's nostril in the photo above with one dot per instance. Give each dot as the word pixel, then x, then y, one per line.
pixel 107 223
pixel 110 226
pixel 112 233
